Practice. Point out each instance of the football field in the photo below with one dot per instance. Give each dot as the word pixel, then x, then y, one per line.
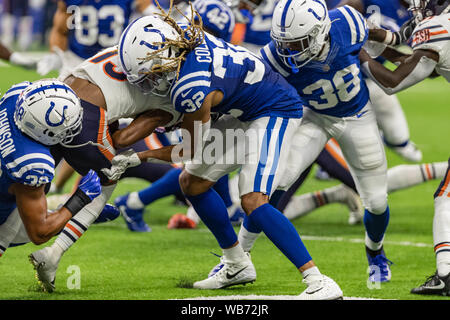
pixel 112 263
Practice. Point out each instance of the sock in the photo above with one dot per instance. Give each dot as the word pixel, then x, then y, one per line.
pixel 441 234
pixel 211 209
pixel 311 271
pixel 281 232
pixel 166 186
pixel 376 225
pixel 301 205
pixel 221 187
pixel 246 238
pixel 405 176
pixel 134 202
pixel 80 222
pixel 234 254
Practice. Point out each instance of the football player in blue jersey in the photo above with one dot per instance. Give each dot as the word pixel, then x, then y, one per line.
pixel 204 75
pixel 81 28
pixel 34 117
pixel 318 53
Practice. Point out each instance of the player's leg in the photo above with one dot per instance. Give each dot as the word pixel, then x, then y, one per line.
pixel 10 229
pixel 407 175
pixel 392 122
pixel 307 143
pixel 364 151
pixel 196 182
pixel 439 283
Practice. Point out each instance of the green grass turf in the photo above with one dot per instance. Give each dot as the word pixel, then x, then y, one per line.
pixel 118 264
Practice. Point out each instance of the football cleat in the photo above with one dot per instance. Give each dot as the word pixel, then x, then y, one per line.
pixel 219 266
pixel 229 275
pixel 109 213
pixel 133 217
pixel 379 270
pixel 409 152
pixel 45 264
pixel 181 221
pixel 320 287
pixel 434 285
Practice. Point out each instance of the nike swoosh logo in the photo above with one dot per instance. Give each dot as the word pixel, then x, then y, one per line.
pixel 311 292
pixel 91 193
pixel 359 115
pixel 231 276
pixel 40 171
pixel 184 94
pixel 439 287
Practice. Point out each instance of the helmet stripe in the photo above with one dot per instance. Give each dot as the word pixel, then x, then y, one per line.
pixel 124 35
pixel 47 87
pixel 283 16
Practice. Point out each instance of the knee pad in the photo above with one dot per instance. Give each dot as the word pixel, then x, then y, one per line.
pixel 376 204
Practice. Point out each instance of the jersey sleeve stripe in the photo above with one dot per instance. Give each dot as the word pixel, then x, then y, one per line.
pixel 356 24
pixel 34 166
pixel 267 55
pixel 190 76
pixel 37 156
pixel 351 24
pixel 200 83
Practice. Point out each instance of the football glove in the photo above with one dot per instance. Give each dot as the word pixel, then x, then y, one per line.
pixel 120 163
pixel 49 62
pixel 19 59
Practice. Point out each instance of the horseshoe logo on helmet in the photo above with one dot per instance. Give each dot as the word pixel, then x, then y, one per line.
pixel 47 115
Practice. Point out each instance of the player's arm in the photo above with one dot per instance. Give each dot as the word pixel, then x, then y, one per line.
pixel 58 41
pixel 142 5
pixel 32 206
pixel 60 30
pixel 192 122
pixel 414 69
pixel 140 128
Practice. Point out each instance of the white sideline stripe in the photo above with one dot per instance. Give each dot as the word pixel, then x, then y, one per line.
pixel 262 297
pixel 357 240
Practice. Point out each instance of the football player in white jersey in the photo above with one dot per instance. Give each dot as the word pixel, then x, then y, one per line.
pixel 430 57
pixel 106 96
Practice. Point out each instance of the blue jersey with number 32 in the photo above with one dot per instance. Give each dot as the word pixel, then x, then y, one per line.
pixel 250 87
pixel 96 24
pixel 22 160
pixel 334 86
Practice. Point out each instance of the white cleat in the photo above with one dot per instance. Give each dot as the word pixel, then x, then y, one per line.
pixel 320 287
pixel 229 275
pixel 353 202
pixel 45 264
pixel 410 152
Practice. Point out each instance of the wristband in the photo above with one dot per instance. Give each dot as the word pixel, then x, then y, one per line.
pixel 76 202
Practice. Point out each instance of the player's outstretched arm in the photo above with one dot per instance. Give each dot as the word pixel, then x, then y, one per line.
pixel 58 41
pixel 140 128
pixel 414 69
pixel 32 205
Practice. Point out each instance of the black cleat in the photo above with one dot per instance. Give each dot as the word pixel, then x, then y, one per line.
pixel 434 285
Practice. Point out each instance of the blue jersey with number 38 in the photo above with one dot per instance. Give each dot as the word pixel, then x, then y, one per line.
pixel 96 24
pixel 22 160
pixel 334 86
pixel 250 87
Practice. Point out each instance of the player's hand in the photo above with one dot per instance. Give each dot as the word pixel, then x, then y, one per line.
pixel 120 163
pixel 20 59
pixel 90 185
pixel 49 62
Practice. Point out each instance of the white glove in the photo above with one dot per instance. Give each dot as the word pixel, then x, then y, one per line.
pixel 20 59
pixel 120 163
pixel 374 49
pixel 49 62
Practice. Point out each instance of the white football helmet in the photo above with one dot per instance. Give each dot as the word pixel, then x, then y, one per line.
pixel 139 39
pixel 300 30
pixel 49 112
